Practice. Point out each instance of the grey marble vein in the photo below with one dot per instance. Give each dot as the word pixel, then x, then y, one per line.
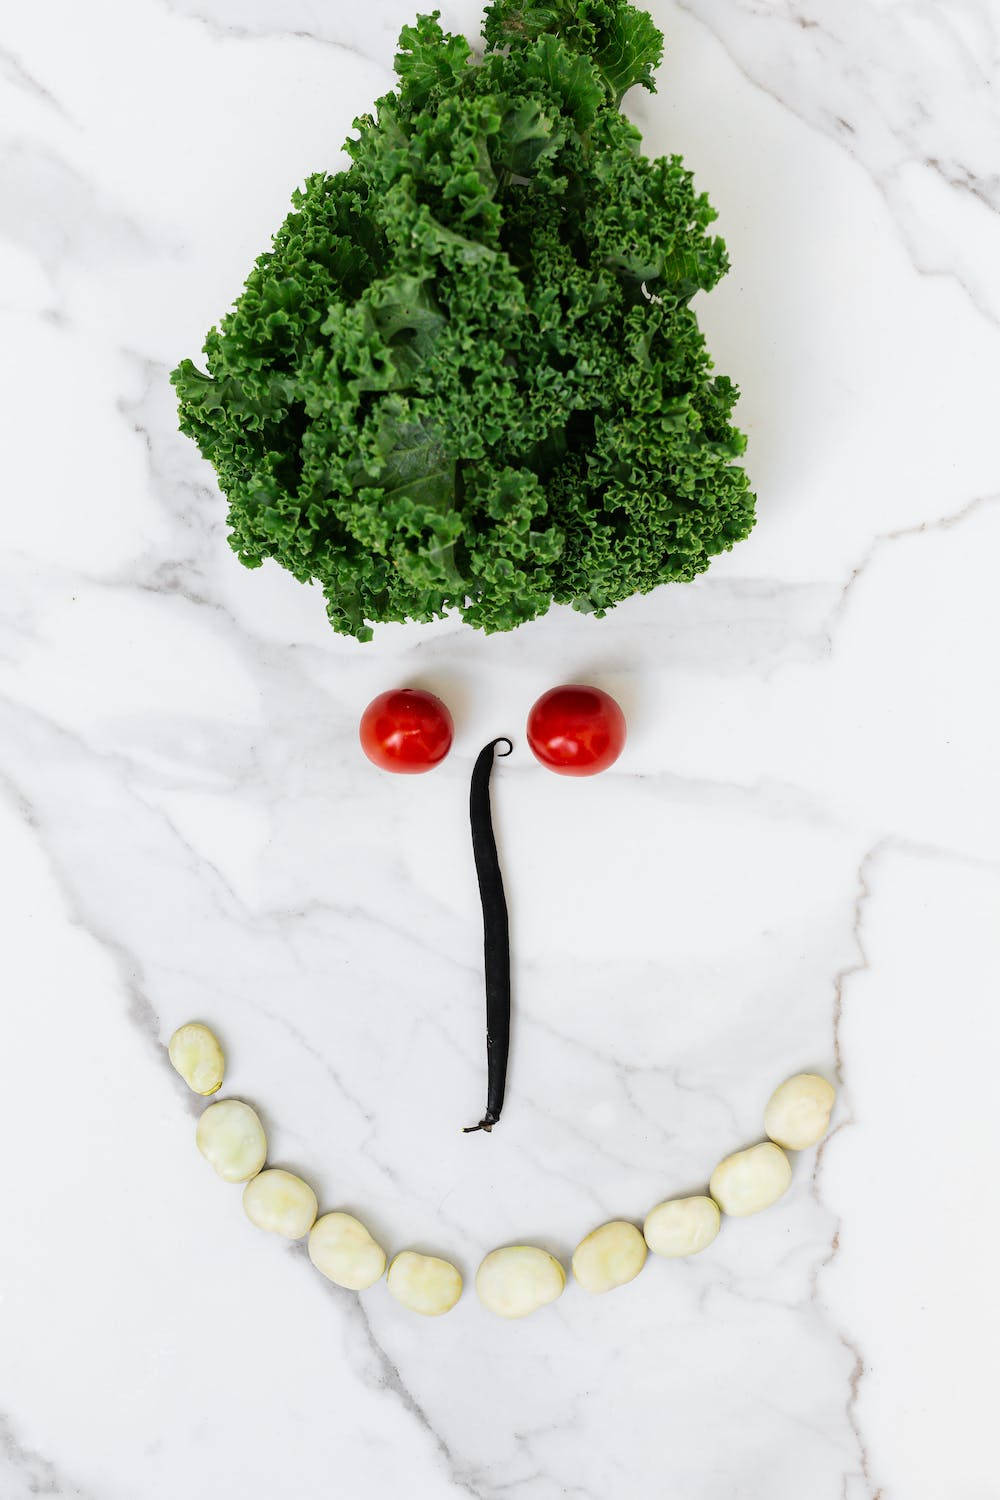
pixel 841 980
pixel 885 539
pixel 380 1368
pixel 30 1473
pixel 14 73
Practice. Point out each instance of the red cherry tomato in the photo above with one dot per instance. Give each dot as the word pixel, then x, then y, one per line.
pixel 406 730
pixel 576 731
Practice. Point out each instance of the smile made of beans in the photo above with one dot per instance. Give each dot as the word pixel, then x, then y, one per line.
pixel 514 1280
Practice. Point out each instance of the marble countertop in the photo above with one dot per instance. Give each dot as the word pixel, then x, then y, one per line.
pixel 796 864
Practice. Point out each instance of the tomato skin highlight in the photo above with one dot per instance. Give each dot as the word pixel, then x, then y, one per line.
pixel 576 730
pixel 407 731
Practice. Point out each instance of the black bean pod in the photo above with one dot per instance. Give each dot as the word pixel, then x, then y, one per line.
pixel 496 934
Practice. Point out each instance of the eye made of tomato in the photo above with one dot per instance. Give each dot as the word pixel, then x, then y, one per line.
pixel 407 731
pixel 576 730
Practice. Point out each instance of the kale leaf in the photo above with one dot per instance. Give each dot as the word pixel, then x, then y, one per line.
pixel 467 375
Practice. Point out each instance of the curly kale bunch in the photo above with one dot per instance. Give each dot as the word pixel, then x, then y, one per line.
pixel 467 375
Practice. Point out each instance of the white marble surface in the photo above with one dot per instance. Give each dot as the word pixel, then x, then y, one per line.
pixel 796 864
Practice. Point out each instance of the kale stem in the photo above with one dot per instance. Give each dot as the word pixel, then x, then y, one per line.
pixel 496 936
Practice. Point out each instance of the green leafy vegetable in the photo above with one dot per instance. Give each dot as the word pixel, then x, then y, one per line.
pixel 467 374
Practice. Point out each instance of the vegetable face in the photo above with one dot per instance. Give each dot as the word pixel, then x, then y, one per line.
pixel 406 731
pixel 467 374
pixel 576 731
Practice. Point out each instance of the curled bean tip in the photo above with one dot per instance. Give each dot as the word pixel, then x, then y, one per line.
pixel 504 740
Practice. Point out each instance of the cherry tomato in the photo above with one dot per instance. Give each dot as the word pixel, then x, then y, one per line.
pixel 576 731
pixel 406 730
